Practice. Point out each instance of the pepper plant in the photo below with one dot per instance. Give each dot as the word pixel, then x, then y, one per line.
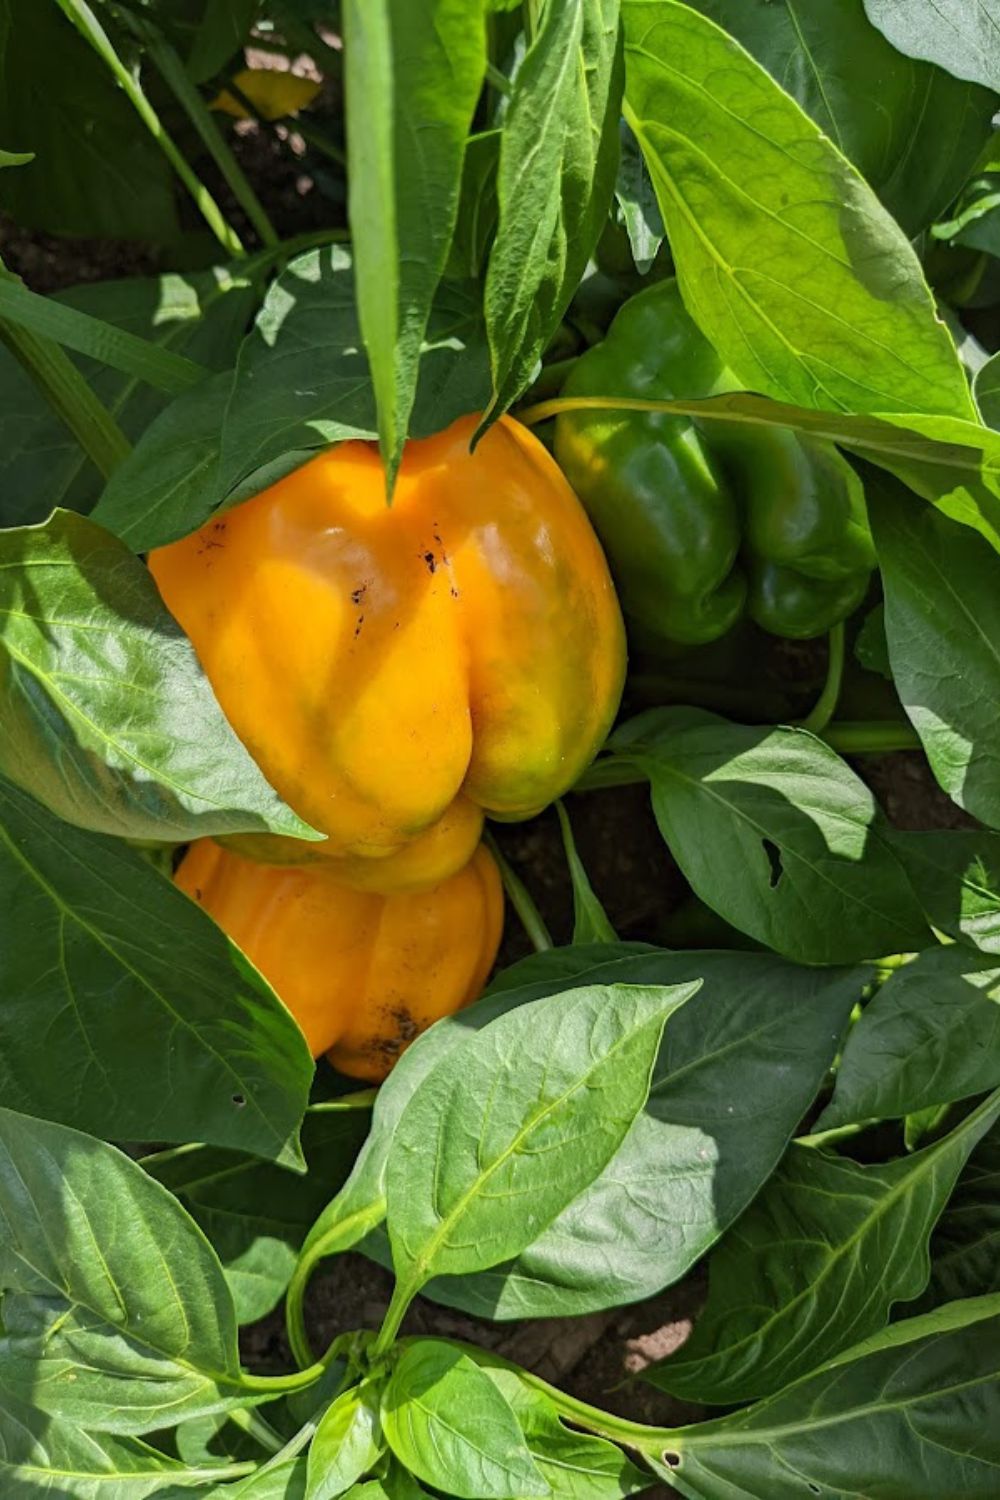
pixel 302 601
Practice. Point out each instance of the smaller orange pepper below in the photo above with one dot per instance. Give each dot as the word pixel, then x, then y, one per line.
pixel 362 973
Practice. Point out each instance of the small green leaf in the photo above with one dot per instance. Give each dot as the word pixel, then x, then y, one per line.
pixel 348 1443
pixel 107 717
pixel 785 257
pixel 637 201
pixel 777 834
pixel 520 1120
pixel 815 1265
pixel 452 1426
pixel 931 1035
pixel 155 1027
pixel 117 1332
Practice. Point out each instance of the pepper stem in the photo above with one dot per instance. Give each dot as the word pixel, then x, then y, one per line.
pixel 825 706
pixel 520 899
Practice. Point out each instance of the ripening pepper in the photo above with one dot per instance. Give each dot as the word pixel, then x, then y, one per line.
pixel 380 662
pixel 705 520
pixel 363 974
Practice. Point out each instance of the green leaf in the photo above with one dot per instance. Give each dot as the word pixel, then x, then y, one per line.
pixel 958 36
pixel 815 1265
pixel 911 129
pixel 590 921
pixel 348 1443
pixel 285 1482
pixel 101 341
pixel 911 1414
pixel 986 388
pixel 453 1427
pixel 775 833
pixel 956 874
pixel 576 1465
pixel 739 1066
pixel 118 1331
pixel 965 1250
pixel 423 62
pixel 522 1117
pixel 931 1035
pixel 476 220
pixel 558 159
pixel 129 1013
pixel 38 1452
pixel 637 200
pixel 302 380
pixel 201 316
pixel 174 468
pixel 223 28
pixel 255 1214
pixel 82 132
pixel 786 259
pixel 942 625
pixel 107 716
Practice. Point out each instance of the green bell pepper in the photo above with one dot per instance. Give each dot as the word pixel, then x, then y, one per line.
pixel 704 520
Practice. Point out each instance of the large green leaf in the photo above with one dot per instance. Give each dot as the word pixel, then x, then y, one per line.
pixel 455 1429
pixel 412 75
pixel 942 625
pixel 576 1465
pixel 962 37
pixel 202 315
pixel 815 1265
pixel 911 129
pixel 106 715
pixel 911 1414
pixel 931 1035
pixel 348 1442
pixel 38 1453
pixel 777 834
pixel 96 172
pixel 124 1010
pixel 558 158
pixel 302 380
pixel 739 1066
pixel 524 1114
pixel 256 1214
pixel 785 257
pixel 956 874
pixel 965 1249
pixel 116 1313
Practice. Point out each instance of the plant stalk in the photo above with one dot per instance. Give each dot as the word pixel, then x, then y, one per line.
pixel 520 899
pixel 825 706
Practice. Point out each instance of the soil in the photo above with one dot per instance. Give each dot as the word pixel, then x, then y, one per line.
pixel 599 1357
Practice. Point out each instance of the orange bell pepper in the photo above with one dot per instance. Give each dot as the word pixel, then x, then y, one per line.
pixel 381 662
pixel 363 974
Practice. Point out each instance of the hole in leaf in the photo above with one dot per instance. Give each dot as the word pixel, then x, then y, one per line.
pixel 774 860
pixel 814 1488
pixel 239 1100
pixel 672 1460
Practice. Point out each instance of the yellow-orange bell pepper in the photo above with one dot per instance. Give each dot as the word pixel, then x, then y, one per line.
pixel 363 974
pixel 379 662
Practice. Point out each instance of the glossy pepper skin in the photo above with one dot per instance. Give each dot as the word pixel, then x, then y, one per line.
pixel 363 974
pixel 704 521
pixel 380 662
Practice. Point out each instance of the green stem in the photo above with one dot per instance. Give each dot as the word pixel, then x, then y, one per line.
pixel 176 76
pixel 871 737
pixel 252 1422
pixel 498 80
pixel 363 1099
pixel 83 18
pixel 520 899
pixel 340 1236
pixel 825 706
pixel 835 1133
pixel 402 1296
pixel 70 397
